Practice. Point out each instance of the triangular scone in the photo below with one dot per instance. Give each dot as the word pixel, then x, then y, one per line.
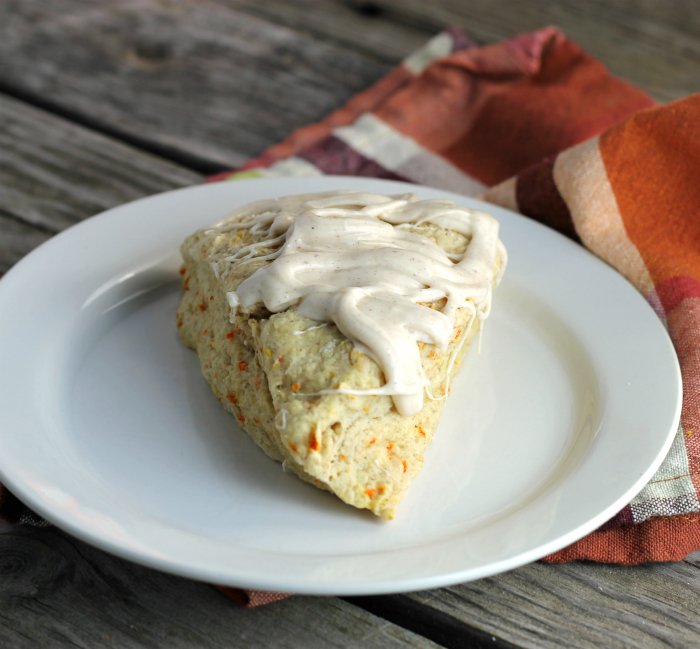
pixel 268 368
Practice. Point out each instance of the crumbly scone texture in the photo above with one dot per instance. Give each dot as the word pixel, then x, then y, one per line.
pixel 265 367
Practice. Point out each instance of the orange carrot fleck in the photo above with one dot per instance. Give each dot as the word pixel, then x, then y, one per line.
pixel 179 324
pixel 370 492
pixel 280 359
pixel 230 335
pixel 313 441
pixel 432 354
pixel 405 466
pixel 186 284
pixel 242 365
pixel 205 332
pixel 342 457
pixel 421 431
pixel 239 330
pixel 388 448
pixel 241 418
pixel 203 306
pixel 256 420
pixel 295 387
pixel 232 399
pixel 293 447
pixel 256 380
pixel 373 440
pixel 182 271
pixel 332 373
pixel 459 333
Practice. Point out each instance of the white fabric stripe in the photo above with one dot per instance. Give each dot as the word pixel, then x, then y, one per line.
pixel 580 176
pixel 293 166
pixel 670 492
pixel 429 169
pixel 437 47
pixel 376 140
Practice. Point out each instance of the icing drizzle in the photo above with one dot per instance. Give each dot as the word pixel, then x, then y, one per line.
pixel 348 257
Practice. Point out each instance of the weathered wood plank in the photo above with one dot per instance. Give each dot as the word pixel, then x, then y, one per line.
pixel 195 77
pixel 652 44
pixel 56 591
pixel 577 605
pixel 362 27
pixel 54 173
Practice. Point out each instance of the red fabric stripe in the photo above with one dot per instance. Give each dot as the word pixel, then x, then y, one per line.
pixel 659 539
pixel 496 110
pixel 675 289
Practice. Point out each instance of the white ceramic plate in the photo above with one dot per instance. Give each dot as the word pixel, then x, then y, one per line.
pixel 108 429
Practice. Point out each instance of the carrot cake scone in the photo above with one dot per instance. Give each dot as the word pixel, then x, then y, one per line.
pixel 330 325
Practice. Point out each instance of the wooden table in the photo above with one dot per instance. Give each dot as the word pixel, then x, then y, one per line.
pixel 105 102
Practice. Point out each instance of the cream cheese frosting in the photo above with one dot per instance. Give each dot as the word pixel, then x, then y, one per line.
pixel 348 257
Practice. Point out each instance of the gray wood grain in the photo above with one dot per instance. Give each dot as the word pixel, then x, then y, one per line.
pixel 54 173
pixel 194 77
pixel 652 43
pixel 56 591
pixel 581 605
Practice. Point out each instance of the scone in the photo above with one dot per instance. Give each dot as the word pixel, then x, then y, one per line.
pixel 330 325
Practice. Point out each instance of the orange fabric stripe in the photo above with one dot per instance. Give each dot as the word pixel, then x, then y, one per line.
pixel 652 161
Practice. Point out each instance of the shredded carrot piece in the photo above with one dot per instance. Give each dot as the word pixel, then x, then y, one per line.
pixel 295 387
pixel 459 333
pixel 256 420
pixel 421 431
pixel 388 448
pixel 182 271
pixel 432 354
pixel 280 359
pixel 373 440
pixel 242 365
pixel 179 324
pixel 232 399
pixel 256 380
pixel 293 447
pixel 230 335
pixel 241 418
pixel 205 332
pixel 203 306
pixel 313 442
pixel 405 466
pixel 342 457
pixel 370 492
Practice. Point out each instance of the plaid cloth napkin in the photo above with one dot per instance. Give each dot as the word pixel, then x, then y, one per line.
pixel 537 125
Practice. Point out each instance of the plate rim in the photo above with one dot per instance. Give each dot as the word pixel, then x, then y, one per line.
pixel 15 484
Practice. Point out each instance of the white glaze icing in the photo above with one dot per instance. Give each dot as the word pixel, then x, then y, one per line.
pixel 347 257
